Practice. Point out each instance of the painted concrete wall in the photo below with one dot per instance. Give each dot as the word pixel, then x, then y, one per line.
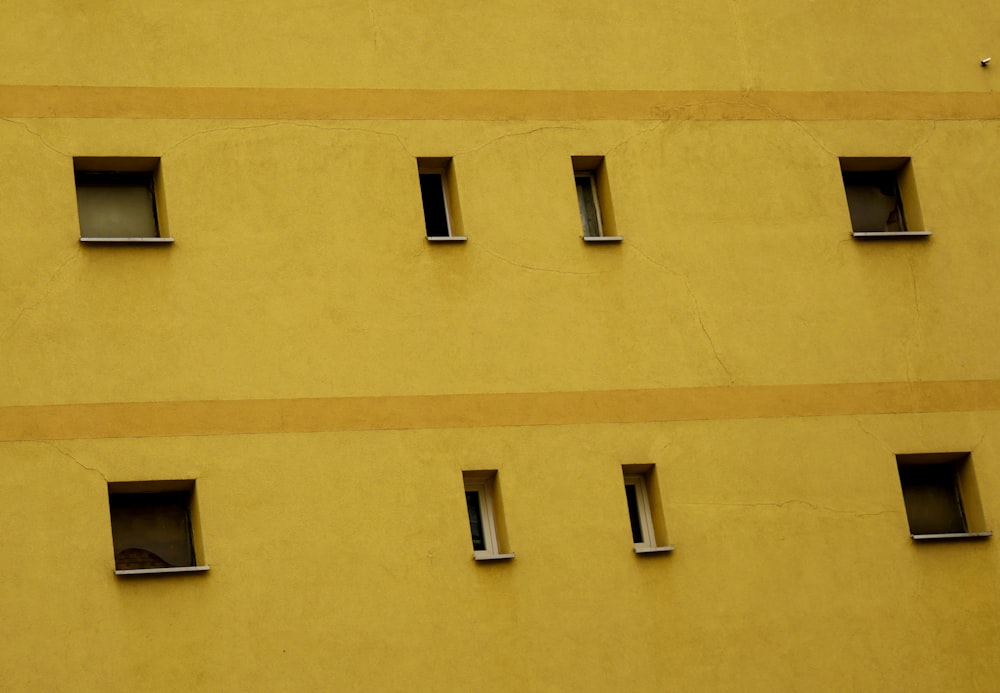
pixel 325 374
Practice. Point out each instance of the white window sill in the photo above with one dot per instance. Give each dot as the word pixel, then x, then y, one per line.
pixel 652 550
pixel 493 556
pixel 876 235
pixel 962 536
pixel 602 239
pixel 447 239
pixel 131 239
pixel 163 571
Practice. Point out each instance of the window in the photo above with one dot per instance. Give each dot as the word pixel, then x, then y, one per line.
pixel 881 198
pixel 940 496
pixel 437 193
pixel 116 200
pixel 643 502
pixel 591 190
pixel 152 528
pixel 485 516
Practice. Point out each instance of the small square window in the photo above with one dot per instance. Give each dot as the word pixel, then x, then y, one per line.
pixel 643 508
pixel 485 516
pixel 591 189
pixel 116 200
pixel 881 198
pixel 940 496
pixel 151 527
pixel 437 193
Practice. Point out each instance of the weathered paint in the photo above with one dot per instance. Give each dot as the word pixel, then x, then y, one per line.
pixel 325 374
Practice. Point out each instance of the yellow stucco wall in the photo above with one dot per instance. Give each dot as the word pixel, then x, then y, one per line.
pixel 325 374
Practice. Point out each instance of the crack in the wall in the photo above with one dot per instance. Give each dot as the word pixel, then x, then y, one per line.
pixel 741 39
pixel 68 455
pixel 915 333
pixel 695 305
pixel 533 268
pixel 46 291
pixel 314 126
pixel 878 438
pixel 38 135
pixel 704 329
pixel 786 503
pixel 494 140
pixel 374 21
pixel 629 138
pixel 922 141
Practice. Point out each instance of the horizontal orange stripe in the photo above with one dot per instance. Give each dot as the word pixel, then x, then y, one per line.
pixel 31 101
pixel 224 417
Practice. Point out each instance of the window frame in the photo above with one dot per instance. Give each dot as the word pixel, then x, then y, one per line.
pixel 959 481
pixel 177 493
pixel 483 483
pixel 109 173
pixel 441 167
pixel 598 193
pixel 643 478
pixel 895 170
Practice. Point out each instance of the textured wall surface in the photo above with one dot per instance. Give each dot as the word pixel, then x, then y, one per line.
pixel 325 374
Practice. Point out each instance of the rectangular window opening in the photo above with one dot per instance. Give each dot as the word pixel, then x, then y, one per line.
pixel 485 516
pixel 881 197
pixel 152 527
pixel 439 199
pixel 643 503
pixel 116 199
pixel 940 496
pixel 593 199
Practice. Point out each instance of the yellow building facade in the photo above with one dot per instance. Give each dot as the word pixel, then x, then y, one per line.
pixel 288 360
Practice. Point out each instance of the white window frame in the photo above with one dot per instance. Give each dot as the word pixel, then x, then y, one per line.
pixel 483 485
pixel 648 544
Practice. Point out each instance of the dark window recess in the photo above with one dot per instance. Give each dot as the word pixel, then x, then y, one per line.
pixel 116 205
pixel 587 198
pixel 435 205
pixel 152 530
pixel 633 513
pixel 874 201
pixel 932 498
pixel 475 520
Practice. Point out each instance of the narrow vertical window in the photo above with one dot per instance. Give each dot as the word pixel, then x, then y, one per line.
pixel 586 197
pixel 485 516
pixel 438 196
pixel 593 199
pixel 643 508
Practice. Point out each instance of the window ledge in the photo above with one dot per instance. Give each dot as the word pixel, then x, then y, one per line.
pixel 961 536
pixel 602 239
pixel 447 239
pixel 163 571
pixel 494 557
pixel 876 235
pixel 652 550
pixel 130 239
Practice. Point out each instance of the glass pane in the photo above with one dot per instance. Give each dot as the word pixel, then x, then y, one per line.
pixel 475 520
pixel 873 201
pixel 435 212
pixel 588 206
pixel 633 513
pixel 931 496
pixel 115 208
pixel 151 530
